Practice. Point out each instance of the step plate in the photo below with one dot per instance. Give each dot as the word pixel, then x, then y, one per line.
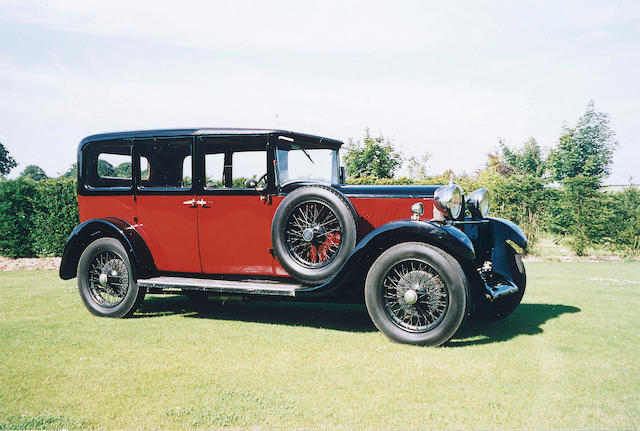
pixel 250 287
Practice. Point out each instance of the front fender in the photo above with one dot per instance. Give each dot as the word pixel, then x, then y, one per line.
pixel 446 237
pixel 90 230
pixel 504 230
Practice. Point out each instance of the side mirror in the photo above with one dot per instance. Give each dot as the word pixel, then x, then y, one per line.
pixel 251 183
pixel 343 175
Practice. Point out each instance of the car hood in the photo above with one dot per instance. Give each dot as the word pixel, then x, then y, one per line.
pixel 391 191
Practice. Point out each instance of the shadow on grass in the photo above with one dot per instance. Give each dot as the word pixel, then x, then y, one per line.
pixel 527 319
pixel 341 317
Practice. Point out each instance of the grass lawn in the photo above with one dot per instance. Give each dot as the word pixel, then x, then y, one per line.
pixel 569 357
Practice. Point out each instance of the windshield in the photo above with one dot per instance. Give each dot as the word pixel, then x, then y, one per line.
pixel 296 163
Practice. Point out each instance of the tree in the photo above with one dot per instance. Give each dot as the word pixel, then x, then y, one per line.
pixel 526 160
pixel 372 157
pixel 34 172
pixel 123 170
pixel 105 169
pixel 6 161
pixel 72 172
pixel 586 149
pixel 418 167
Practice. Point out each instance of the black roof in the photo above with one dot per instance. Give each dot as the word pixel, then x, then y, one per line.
pixel 212 131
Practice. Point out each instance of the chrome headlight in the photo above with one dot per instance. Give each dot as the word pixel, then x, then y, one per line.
pixel 448 200
pixel 479 202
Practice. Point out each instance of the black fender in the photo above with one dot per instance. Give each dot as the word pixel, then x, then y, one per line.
pixel 504 230
pixel 447 237
pixel 90 230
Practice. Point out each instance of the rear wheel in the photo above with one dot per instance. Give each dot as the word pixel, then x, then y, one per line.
pixel 417 294
pixel 105 280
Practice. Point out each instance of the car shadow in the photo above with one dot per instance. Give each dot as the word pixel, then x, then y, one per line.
pixel 527 319
pixel 341 317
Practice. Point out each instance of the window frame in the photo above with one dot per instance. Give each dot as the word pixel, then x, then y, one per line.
pixel 85 163
pixel 142 190
pixel 232 144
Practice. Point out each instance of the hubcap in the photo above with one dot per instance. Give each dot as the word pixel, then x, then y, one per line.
pixel 307 234
pixel 410 297
pixel 414 295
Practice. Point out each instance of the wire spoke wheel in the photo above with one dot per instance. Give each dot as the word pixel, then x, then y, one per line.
pixel 313 234
pixel 108 279
pixel 414 295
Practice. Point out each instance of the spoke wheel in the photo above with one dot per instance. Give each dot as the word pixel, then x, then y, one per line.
pixel 313 234
pixel 414 295
pixel 105 280
pixel 417 294
pixel 108 279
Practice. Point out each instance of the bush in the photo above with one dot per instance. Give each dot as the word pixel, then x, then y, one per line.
pixel 55 215
pixel 16 210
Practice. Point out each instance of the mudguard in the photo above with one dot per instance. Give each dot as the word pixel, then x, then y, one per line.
pixel 88 231
pixel 504 230
pixel 446 237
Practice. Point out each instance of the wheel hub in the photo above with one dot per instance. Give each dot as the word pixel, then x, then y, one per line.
pixel 410 297
pixel 307 234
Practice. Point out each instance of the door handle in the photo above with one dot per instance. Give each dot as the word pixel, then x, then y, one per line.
pixel 190 202
pixel 203 203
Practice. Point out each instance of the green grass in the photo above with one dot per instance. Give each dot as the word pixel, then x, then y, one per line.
pixel 567 358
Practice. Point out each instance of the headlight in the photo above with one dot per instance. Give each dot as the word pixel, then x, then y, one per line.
pixel 479 202
pixel 448 200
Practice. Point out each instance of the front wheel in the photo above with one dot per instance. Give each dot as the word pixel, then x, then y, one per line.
pixel 417 294
pixel 105 280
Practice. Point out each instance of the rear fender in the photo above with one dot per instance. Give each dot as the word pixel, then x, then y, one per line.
pixel 90 230
pixel 445 237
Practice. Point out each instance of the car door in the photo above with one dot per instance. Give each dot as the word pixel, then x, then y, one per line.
pixel 166 209
pixel 234 221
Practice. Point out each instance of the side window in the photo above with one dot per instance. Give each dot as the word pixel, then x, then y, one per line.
pixel 247 165
pixel 107 164
pixel 214 170
pixel 165 163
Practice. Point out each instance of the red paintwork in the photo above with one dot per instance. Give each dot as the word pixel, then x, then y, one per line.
pixel 231 235
pixel 235 235
pixel 123 207
pixel 374 212
pixel 170 229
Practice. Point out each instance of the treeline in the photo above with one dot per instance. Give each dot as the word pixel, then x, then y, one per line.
pixel 557 191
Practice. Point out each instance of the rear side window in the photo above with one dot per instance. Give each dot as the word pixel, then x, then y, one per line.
pixel 107 165
pixel 165 163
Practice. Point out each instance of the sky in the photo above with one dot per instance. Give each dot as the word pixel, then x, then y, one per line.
pixel 448 78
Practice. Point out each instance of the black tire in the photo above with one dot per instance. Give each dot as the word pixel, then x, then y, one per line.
pixel 441 294
pixel 119 296
pixel 314 221
pixel 502 307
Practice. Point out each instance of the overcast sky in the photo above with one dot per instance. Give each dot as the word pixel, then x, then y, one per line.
pixel 448 78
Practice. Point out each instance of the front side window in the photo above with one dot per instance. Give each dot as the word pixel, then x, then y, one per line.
pixel 305 163
pixel 165 163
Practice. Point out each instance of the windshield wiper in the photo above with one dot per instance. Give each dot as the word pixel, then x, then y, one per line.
pixel 308 156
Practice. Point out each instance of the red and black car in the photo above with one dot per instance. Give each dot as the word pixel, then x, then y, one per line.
pixel 267 212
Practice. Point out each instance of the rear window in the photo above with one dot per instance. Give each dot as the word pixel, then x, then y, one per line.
pixel 107 165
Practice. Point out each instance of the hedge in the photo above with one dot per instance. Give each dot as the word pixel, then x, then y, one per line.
pixel 36 217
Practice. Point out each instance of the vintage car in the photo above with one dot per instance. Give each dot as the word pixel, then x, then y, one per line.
pixel 267 213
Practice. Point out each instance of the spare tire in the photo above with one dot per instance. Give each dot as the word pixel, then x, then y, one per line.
pixel 313 232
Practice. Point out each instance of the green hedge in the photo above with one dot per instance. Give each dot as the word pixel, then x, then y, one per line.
pixel 36 217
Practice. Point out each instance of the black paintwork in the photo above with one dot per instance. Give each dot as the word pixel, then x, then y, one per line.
pixel 444 236
pixel 139 254
pixel 392 191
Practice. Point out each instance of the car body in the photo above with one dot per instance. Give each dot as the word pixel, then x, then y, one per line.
pixel 260 212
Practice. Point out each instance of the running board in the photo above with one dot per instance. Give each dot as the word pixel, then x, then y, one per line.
pixel 249 287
